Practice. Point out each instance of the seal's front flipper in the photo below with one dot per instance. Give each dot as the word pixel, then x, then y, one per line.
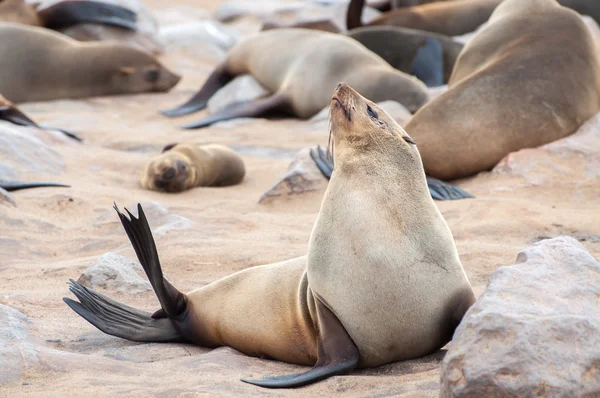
pixel 428 63
pixel 16 185
pixel 337 354
pixel 72 12
pixel 118 319
pixel 322 160
pixel 255 108
pixel 217 80
pixel 441 190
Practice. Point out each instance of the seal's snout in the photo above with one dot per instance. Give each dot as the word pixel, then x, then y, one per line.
pixel 169 174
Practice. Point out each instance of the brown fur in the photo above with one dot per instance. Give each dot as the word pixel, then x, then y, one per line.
pixel 19 11
pixel 185 166
pixel 39 65
pixel 517 84
pixel 311 63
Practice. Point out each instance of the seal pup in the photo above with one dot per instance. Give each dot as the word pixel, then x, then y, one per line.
pixel 429 56
pixel 10 113
pixel 308 66
pixel 184 166
pixel 382 281
pixel 66 13
pixel 41 65
pixel 515 85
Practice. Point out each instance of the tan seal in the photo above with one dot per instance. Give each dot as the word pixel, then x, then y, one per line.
pixel 308 66
pixel 40 64
pixel 184 166
pixel 382 281
pixel 517 84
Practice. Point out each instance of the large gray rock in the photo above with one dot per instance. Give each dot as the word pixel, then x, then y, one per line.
pixel 112 271
pixel 535 331
pixel 17 353
pixel 198 36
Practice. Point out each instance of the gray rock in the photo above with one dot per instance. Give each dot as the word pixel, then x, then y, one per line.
pixel 17 353
pixel 242 88
pixel 198 34
pixel 112 271
pixel 535 331
pixel 302 176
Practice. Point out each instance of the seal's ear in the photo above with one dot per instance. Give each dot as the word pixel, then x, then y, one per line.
pixel 168 148
pixel 126 70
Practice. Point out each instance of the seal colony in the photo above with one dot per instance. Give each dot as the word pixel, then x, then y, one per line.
pixel 307 68
pixel 332 308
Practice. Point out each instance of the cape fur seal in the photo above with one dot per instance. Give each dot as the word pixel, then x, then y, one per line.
pixel 517 84
pixel 184 166
pixel 40 65
pixel 308 66
pixel 429 56
pixel 10 113
pixel 67 13
pixel 452 18
pixel 382 281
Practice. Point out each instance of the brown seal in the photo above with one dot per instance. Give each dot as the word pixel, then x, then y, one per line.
pixel 382 281
pixel 67 13
pixel 452 18
pixel 517 84
pixel 308 66
pixel 184 166
pixel 40 65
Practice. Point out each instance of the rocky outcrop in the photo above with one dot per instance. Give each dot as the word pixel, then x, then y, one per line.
pixel 112 271
pixel 535 331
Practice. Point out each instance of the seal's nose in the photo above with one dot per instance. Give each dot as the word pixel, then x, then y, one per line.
pixel 169 174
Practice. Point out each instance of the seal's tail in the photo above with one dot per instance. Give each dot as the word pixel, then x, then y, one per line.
pixel 354 14
pixel 119 319
pixel 217 80
pixel 73 12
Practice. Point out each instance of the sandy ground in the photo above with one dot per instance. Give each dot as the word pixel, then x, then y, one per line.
pixel 55 234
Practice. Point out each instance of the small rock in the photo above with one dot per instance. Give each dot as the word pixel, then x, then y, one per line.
pixel 395 109
pixel 242 88
pixel 302 176
pixel 535 331
pixel 112 271
pixel 17 353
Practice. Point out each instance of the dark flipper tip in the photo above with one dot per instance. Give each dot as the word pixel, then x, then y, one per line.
pixel 322 161
pixel 183 110
pixel 441 190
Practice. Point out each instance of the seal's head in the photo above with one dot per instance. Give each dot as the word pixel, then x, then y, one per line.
pixel 363 134
pixel 170 171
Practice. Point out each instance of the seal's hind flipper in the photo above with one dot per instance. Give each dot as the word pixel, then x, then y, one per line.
pixel 140 235
pixel 323 162
pixel 428 63
pixel 217 80
pixel 118 319
pixel 337 354
pixel 441 190
pixel 255 108
pixel 16 185
pixel 72 12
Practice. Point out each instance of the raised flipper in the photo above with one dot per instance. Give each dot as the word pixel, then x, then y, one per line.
pixel 354 14
pixel 118 319
pixel 16 185
pixel 255 108
pixel 337 354
pixel 217 80
pixel 72 12
pixel 15 116
pixel 439 190
pixel 428 63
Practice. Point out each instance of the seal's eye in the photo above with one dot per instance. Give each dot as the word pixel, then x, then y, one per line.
pixel 152 75
pixel 371 112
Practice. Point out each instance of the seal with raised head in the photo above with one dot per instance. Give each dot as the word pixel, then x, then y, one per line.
pixel 184 166
pixel 66 13
pixel 517 84
pixel 39 65
pixel 382 281
pixel 308 66
pixel 429 56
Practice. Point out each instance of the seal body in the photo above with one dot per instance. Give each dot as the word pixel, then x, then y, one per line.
pixel 40 65
pixel 185 166
pixel 515 85
pixel 382 281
